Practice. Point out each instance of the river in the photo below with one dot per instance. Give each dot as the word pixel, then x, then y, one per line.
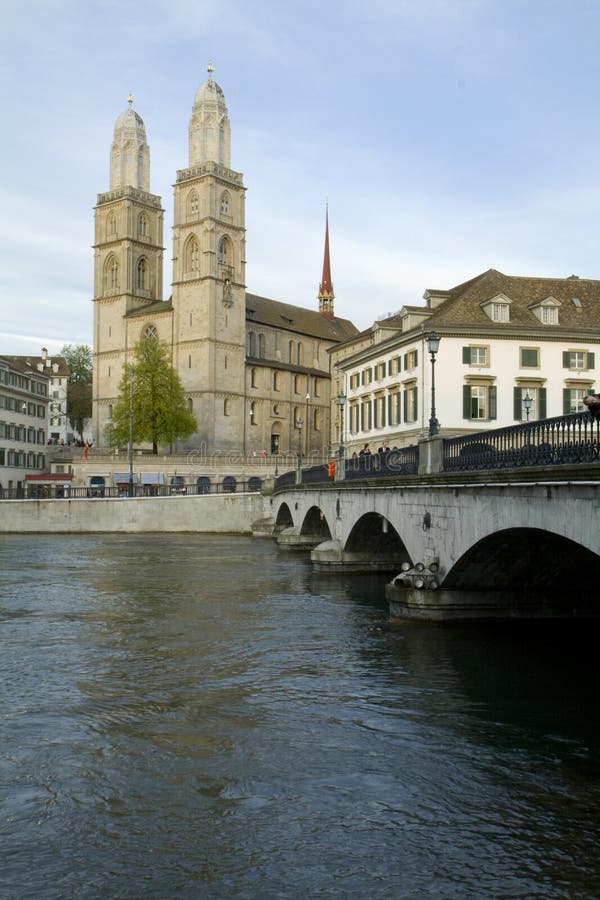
pixel 192 716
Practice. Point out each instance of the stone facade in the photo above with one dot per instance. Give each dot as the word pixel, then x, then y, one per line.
pixel 252 369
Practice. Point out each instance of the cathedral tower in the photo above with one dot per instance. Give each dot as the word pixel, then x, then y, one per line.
pixel 326 295
pixel 128 257
pixel 209 262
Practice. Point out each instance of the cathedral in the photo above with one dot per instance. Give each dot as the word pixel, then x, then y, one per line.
pixel 255 371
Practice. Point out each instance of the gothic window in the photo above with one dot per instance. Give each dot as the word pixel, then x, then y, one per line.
pixel 143 225
pixel 150 332
pixel 192 205
pixel 225 203
pixel 111 226
pixel 190 404
pixel 291 351
pixel 225 254
pixel 300 354
pixel 250 344
pixel 112 274
pixel 192 255
pixel 261 346
pixel 141 274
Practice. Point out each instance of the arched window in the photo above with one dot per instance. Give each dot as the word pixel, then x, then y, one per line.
pixel 190 405
pixel 225 253
pixel 192 205
pixel 150 331
pixel 261 346
pixel 276 380
pixel 111 226
pixel 141 274
pixel 250 344
pixel 143 225
pixel 253 378
pixel 317 420
pixel 192 255
pixel 226 408
pixel 291 351
pixel 253 413
pixel 110 412
pixel 111 274
pixel 225 203
pixel 297 384
pixel 300 354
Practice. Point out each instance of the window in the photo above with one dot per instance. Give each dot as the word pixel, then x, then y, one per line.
pixel 549 315
pixel 224 203
pixel 411 359
pixel 253 413
pixel 395 365
pixel 225 254
pixel 141 274
pixel 537 406
pixel 192 205
pixel 261 346
pixel 530 357
pixel 111 226
pixel 251 344
pixel 253 378
pixel 573 400
pixel 355 380
pixel 479 401
pixel 475 356
pixel 411 410
pixel 226 408
pixel 112 274
pixel 143 225
pixel 380 371
pixel 150 332
pixel 578 359
pixel 500 312
pixel 367 376
pixel 297 384
pixel 276 381
pixel 192 255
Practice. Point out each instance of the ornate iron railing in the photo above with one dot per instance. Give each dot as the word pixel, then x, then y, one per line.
pixel 561 440
pixel 403 461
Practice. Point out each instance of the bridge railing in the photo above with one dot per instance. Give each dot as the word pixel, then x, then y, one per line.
pixel 403 461
pixel 561 440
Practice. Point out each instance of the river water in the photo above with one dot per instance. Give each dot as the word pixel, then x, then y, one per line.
pixel 192 716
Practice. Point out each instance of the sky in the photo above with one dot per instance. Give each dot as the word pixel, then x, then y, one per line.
pixel 447 136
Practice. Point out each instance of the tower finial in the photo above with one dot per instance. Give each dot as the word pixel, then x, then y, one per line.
pixel 130 99
pixel 210 69
pixel 326 295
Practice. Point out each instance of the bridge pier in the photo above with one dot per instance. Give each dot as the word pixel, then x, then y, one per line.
pixel 330 556
pixel 292 539
pixel 408 602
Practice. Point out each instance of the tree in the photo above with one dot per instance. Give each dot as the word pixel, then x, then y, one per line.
pixel 151 390
pixel 79 387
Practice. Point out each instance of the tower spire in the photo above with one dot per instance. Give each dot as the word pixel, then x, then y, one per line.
pixel 326 295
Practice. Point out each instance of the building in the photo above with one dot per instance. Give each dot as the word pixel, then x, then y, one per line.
pixel 511 349
pixel 253 369
pixel 57 370
pixel 23 423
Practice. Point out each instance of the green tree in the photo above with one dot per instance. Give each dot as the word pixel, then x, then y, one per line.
pixel 79 388
pixel 151 390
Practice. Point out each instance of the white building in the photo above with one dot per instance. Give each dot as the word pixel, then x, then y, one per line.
pixel 23 417
pixel 503 340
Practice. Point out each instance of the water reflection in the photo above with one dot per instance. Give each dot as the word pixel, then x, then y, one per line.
pixel 189 716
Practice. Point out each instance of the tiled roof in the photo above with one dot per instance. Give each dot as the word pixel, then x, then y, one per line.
pixel 297 319
pixel 463 306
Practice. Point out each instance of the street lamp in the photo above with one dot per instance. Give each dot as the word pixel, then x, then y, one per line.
pixel 433 345
pixel 527 403
pixel 299 424
pixel 341 400
pixel 130 447
pixel 307 420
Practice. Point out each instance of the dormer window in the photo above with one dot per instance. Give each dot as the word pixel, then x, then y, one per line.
pixel 546 310
pixel 497 308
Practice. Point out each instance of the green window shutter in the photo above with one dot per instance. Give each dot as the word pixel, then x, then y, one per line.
pixel 467 401
pixel 566 401
pixel 467 355
pixel 416 358
pixel 492 401
pixel 375 411
pixel 529 357
pixel 416 404
pixel 591 360
pixel 398 408
pixel 542 396
pixel 405 361
pixel 566 359
pixel 518 403
pixel 405 406
pixel 383 408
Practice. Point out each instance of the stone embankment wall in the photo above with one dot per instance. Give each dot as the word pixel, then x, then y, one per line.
pixel 212 514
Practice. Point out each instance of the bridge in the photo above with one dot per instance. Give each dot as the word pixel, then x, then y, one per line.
pixel 520 538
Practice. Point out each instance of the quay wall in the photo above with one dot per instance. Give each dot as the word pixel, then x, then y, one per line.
pixel 211 514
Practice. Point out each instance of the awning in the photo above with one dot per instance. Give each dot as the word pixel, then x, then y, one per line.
pixel 153 478
pixel 123 478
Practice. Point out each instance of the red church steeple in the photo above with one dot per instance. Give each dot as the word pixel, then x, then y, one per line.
pixel 326 295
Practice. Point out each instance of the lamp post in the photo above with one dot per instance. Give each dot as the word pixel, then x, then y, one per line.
pixel 307 420
pixel 341 400
pixel 433 345
pixel 299 424
pixel 130 447
pixel 527 403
